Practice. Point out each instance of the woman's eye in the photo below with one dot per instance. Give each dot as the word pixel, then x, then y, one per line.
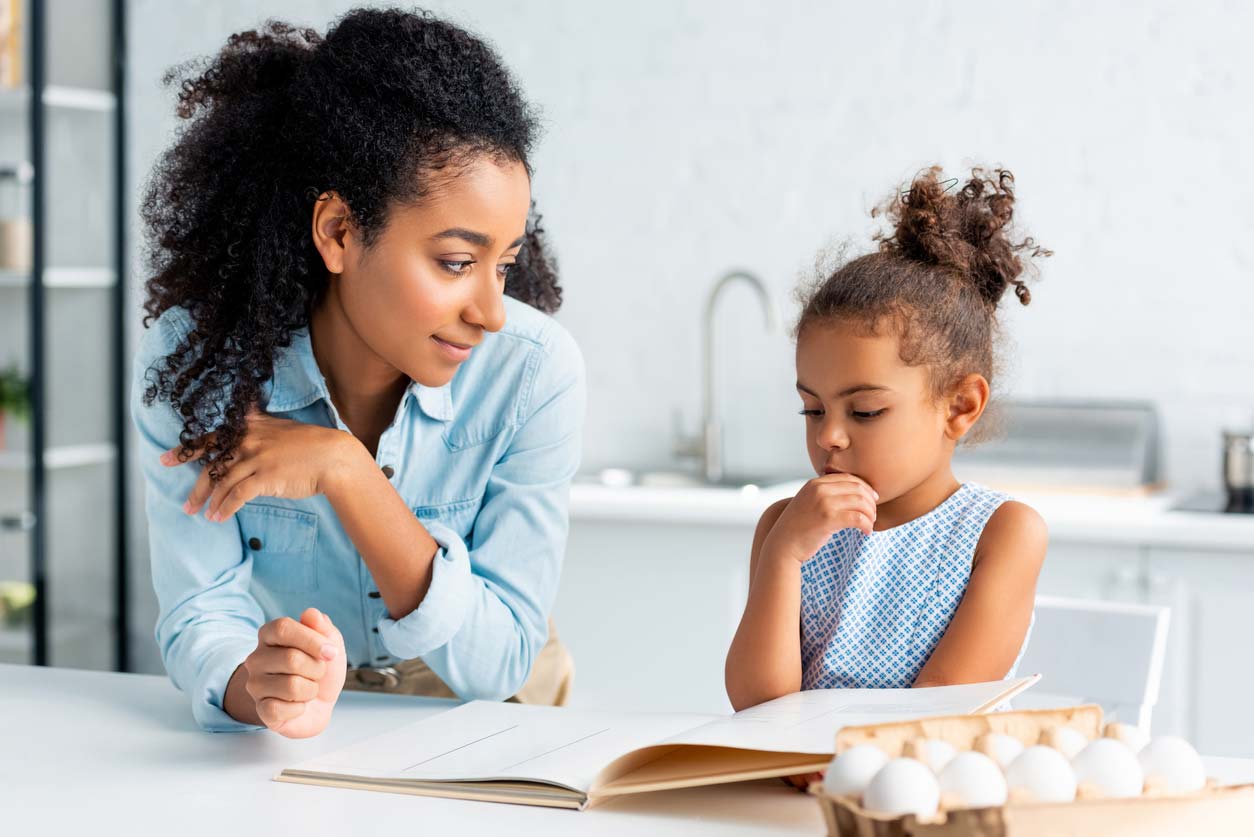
pixel 456 268
pixel 866 415
pixel 811 413
pixel 504 270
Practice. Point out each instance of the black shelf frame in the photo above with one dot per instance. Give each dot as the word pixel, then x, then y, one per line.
pixel 37 73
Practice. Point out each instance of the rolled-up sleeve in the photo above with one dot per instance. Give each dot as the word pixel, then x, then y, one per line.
pixel 485 617
pixel 208 619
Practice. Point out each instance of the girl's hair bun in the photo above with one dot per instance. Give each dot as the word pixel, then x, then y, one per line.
pixel 967 231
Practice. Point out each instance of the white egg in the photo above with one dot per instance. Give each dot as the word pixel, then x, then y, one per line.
pixel 1131 735
pixel 1043 772
pixel 1173 762
pixel 1000 747
pixel 851 771
pixel 975 779
pixel 903 786
pixel 1110 766
pixel 933 752
pixel 1067 740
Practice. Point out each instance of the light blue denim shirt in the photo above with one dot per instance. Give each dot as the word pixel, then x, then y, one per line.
pixel 485 462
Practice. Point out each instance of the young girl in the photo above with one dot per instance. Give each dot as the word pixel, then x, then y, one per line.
pixel 885 571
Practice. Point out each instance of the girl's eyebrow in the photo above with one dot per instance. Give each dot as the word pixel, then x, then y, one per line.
pixel 476 238
pixel 845 393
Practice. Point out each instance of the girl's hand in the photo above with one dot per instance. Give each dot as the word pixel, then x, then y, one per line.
pixel 822 507
pixel 803 781
pixel 276 458
pixel 296 674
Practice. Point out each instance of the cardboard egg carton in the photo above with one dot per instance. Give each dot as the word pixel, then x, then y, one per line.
pixel 1214 810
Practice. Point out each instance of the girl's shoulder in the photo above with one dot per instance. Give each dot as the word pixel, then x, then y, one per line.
pixel 1014 532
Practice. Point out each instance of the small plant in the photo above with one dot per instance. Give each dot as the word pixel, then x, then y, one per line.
pixel 14 394
pixel 14 398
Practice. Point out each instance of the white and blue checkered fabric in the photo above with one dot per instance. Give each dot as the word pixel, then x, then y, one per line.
pixel 873 607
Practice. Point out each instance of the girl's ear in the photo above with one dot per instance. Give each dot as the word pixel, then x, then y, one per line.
pixel 330 230
pixel 966 404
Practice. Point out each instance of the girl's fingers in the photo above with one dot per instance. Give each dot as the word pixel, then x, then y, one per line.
pixel 274 712
pixel 285 687
pixel 221 508
pixel 321 623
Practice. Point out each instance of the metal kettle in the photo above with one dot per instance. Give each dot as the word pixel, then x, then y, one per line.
pixel 1239 470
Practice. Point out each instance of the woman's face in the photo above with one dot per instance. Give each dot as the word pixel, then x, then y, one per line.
pixel 423 294
pixel 867 413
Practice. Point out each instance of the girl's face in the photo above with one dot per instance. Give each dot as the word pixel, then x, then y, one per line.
pixel 866 412
pixel 424 293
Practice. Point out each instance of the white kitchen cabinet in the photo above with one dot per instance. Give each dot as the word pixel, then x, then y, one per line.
pixel 648 611
pixel 1080 570
pixel 1208 684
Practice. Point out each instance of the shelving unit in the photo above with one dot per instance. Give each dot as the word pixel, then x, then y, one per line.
pixel 62 493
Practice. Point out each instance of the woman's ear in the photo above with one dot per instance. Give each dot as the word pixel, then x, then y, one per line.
pixel 966 403
pixel 331 229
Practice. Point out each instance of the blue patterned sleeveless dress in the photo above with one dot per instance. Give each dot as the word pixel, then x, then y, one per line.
pixel 874 607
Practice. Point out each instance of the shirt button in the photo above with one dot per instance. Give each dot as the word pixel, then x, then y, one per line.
pixel 254 544
pixel 375 594
pixel 389 471
pixel 376 630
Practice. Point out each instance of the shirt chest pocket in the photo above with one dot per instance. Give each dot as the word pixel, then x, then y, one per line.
pixel 281 542
pixel 458 516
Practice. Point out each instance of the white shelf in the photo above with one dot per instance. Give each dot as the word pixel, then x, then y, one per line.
pixel 62 98
pixel 68 456
pixel 63 277
pixel 14 642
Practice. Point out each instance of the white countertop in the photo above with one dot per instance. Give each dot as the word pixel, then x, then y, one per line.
pixel 1076 517
pixel 83 753
pixel 88 752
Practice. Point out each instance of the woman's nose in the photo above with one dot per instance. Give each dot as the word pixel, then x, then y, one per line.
pixel 486 308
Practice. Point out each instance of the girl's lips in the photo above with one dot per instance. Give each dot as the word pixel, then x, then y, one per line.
pixel 455 352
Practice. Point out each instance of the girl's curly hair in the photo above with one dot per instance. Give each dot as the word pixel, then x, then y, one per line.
pixel 938 275
pixel 281 115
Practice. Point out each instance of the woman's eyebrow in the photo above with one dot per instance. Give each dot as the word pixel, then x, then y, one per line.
pixel 476 238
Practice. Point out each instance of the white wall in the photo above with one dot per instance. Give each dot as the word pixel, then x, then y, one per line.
pixel 685 138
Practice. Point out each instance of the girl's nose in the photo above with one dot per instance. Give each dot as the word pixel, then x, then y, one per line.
pixel 832 436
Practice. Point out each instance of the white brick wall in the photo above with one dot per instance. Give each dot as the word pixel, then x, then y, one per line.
pixel 688 137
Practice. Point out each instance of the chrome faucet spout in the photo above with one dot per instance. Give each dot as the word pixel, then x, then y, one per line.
pixel 711 426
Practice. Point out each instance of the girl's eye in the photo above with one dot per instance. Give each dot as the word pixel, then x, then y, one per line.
pixel 868 415
pixel 811 413
pixel 456 268
pixel 504 270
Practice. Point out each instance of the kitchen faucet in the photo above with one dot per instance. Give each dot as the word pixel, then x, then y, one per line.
pixel 708 445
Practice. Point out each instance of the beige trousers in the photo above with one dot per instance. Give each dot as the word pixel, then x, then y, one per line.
pixel 549 684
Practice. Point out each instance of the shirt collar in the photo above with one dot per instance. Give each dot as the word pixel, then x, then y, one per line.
pixel 298 382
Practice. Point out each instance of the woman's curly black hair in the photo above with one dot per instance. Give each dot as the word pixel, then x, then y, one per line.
pixel 280 116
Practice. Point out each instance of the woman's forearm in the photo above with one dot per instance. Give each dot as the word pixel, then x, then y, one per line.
pixel 395 546
pixel 764 661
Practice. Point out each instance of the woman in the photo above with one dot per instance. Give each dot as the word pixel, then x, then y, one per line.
pixel 349 407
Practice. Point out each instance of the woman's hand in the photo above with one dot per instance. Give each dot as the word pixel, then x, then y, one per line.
pixel 295 675
pixel 822 507
pixel 276 458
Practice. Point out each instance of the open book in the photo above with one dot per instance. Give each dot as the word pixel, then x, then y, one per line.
pixel 566 758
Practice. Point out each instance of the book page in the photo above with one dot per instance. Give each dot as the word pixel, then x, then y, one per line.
pixel 487 741
pixel 807 722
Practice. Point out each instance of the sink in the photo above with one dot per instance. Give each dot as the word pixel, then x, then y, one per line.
pixel 622 477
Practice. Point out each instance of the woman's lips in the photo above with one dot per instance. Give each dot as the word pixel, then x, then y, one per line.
pixel 456 352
